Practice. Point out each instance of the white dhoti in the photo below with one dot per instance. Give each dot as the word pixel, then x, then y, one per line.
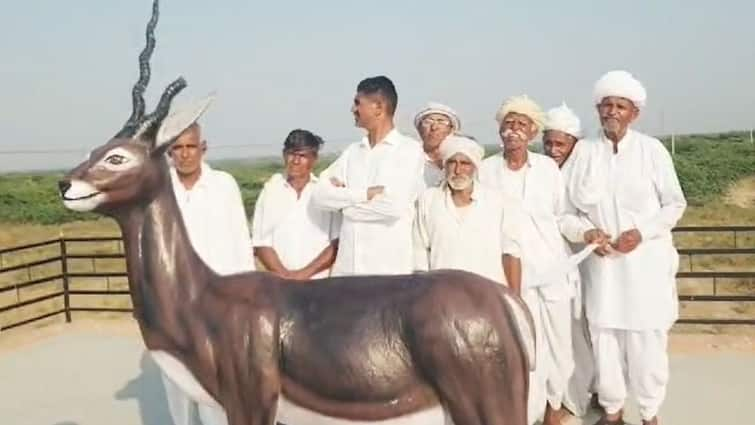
pixel 631 361
pixel 582 382
pixel 554 361
pixel 182 411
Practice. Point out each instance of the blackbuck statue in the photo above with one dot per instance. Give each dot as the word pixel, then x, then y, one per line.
pixel 428 348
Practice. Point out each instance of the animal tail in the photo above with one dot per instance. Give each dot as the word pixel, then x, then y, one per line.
pixel 524 325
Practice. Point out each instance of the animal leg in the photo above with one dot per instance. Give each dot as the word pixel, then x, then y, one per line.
pixel 477 365
pixel 486 398
pixel 251 373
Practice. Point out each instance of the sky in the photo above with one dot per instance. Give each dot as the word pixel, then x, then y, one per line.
pixel 67 67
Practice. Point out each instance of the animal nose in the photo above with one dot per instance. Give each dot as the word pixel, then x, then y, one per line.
pixel 64 185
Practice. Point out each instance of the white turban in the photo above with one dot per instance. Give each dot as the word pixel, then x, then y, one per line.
pixel 438 108
pixel 521 105
pixel 464 145
pixel 620 84
pixel 564 120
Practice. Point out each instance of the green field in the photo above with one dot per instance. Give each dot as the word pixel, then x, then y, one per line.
pixel 707 166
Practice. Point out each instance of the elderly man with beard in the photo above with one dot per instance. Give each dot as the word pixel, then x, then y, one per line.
pixel 463 225
pixel 561 132
pixel 434 123
pixel 535 181
pixel 624 182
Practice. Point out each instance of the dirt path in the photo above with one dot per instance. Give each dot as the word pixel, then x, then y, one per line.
pixel 742 193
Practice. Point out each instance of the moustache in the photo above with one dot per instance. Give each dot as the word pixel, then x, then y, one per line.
pixel 508 134
pixel 514 133
pixel 610 123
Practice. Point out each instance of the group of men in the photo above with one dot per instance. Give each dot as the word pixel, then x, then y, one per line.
pixel 392 205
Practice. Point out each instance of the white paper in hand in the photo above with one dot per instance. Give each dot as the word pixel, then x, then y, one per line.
pixel 558 271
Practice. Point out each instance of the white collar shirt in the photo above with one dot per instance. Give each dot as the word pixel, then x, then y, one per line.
pixel 473 238
pixel 291 225
pixel 375 235
pixel 634 188
pixel 214 216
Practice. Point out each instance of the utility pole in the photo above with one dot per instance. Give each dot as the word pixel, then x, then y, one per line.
pixel 663 123
pixel 673 144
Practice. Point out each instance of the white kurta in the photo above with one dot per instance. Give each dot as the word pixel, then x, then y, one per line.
pixel 219 235
pixel 630 299
pixel 473 238
pixel 634 188
pixel 215 219
pixel 539 186
pixel 582 382
pixel 432 175
pixel 376 235
pixel 288 223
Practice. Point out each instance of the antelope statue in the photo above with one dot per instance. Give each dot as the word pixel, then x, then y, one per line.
pixel 411 349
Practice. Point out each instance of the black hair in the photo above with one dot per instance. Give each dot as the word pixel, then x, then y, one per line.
pixel 382 86
pixel 302 139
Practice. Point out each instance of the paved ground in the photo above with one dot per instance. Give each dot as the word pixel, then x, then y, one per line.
pixel 95 375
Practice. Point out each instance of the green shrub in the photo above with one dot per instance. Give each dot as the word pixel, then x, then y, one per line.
pixel 706 164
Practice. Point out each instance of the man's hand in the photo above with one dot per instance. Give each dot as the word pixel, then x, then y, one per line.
pixel 373 191
pixel 337 183
pixel 294 274
pixel 599 237
pixel 603 250
pixel 627 241
pixel 299 274
pixel 596 236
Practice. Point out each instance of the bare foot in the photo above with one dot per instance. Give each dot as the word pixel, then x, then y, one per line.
pixel 552 416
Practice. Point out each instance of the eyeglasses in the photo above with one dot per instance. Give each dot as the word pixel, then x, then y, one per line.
pixel 429 121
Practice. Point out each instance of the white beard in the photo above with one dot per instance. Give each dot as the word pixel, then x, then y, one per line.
pixel 611 126
pixel 460 182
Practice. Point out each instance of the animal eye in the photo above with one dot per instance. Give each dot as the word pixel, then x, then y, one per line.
pixel 116 159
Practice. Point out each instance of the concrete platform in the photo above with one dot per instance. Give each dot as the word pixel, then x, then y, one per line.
pixel 80 375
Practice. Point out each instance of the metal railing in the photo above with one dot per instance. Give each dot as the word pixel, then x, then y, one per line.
pixel 64 274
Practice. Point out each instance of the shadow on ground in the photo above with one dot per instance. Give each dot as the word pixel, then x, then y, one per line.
pixel 148 390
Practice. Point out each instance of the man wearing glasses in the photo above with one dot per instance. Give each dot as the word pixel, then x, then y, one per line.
pixel 434 123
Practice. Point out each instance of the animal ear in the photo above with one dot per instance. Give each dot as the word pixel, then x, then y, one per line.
pixel 178 121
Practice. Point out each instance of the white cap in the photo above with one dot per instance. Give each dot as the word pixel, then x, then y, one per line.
pixel 438 108
pixel 521 105
pixel 563 119
pixel 620 84
pixel 454 144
